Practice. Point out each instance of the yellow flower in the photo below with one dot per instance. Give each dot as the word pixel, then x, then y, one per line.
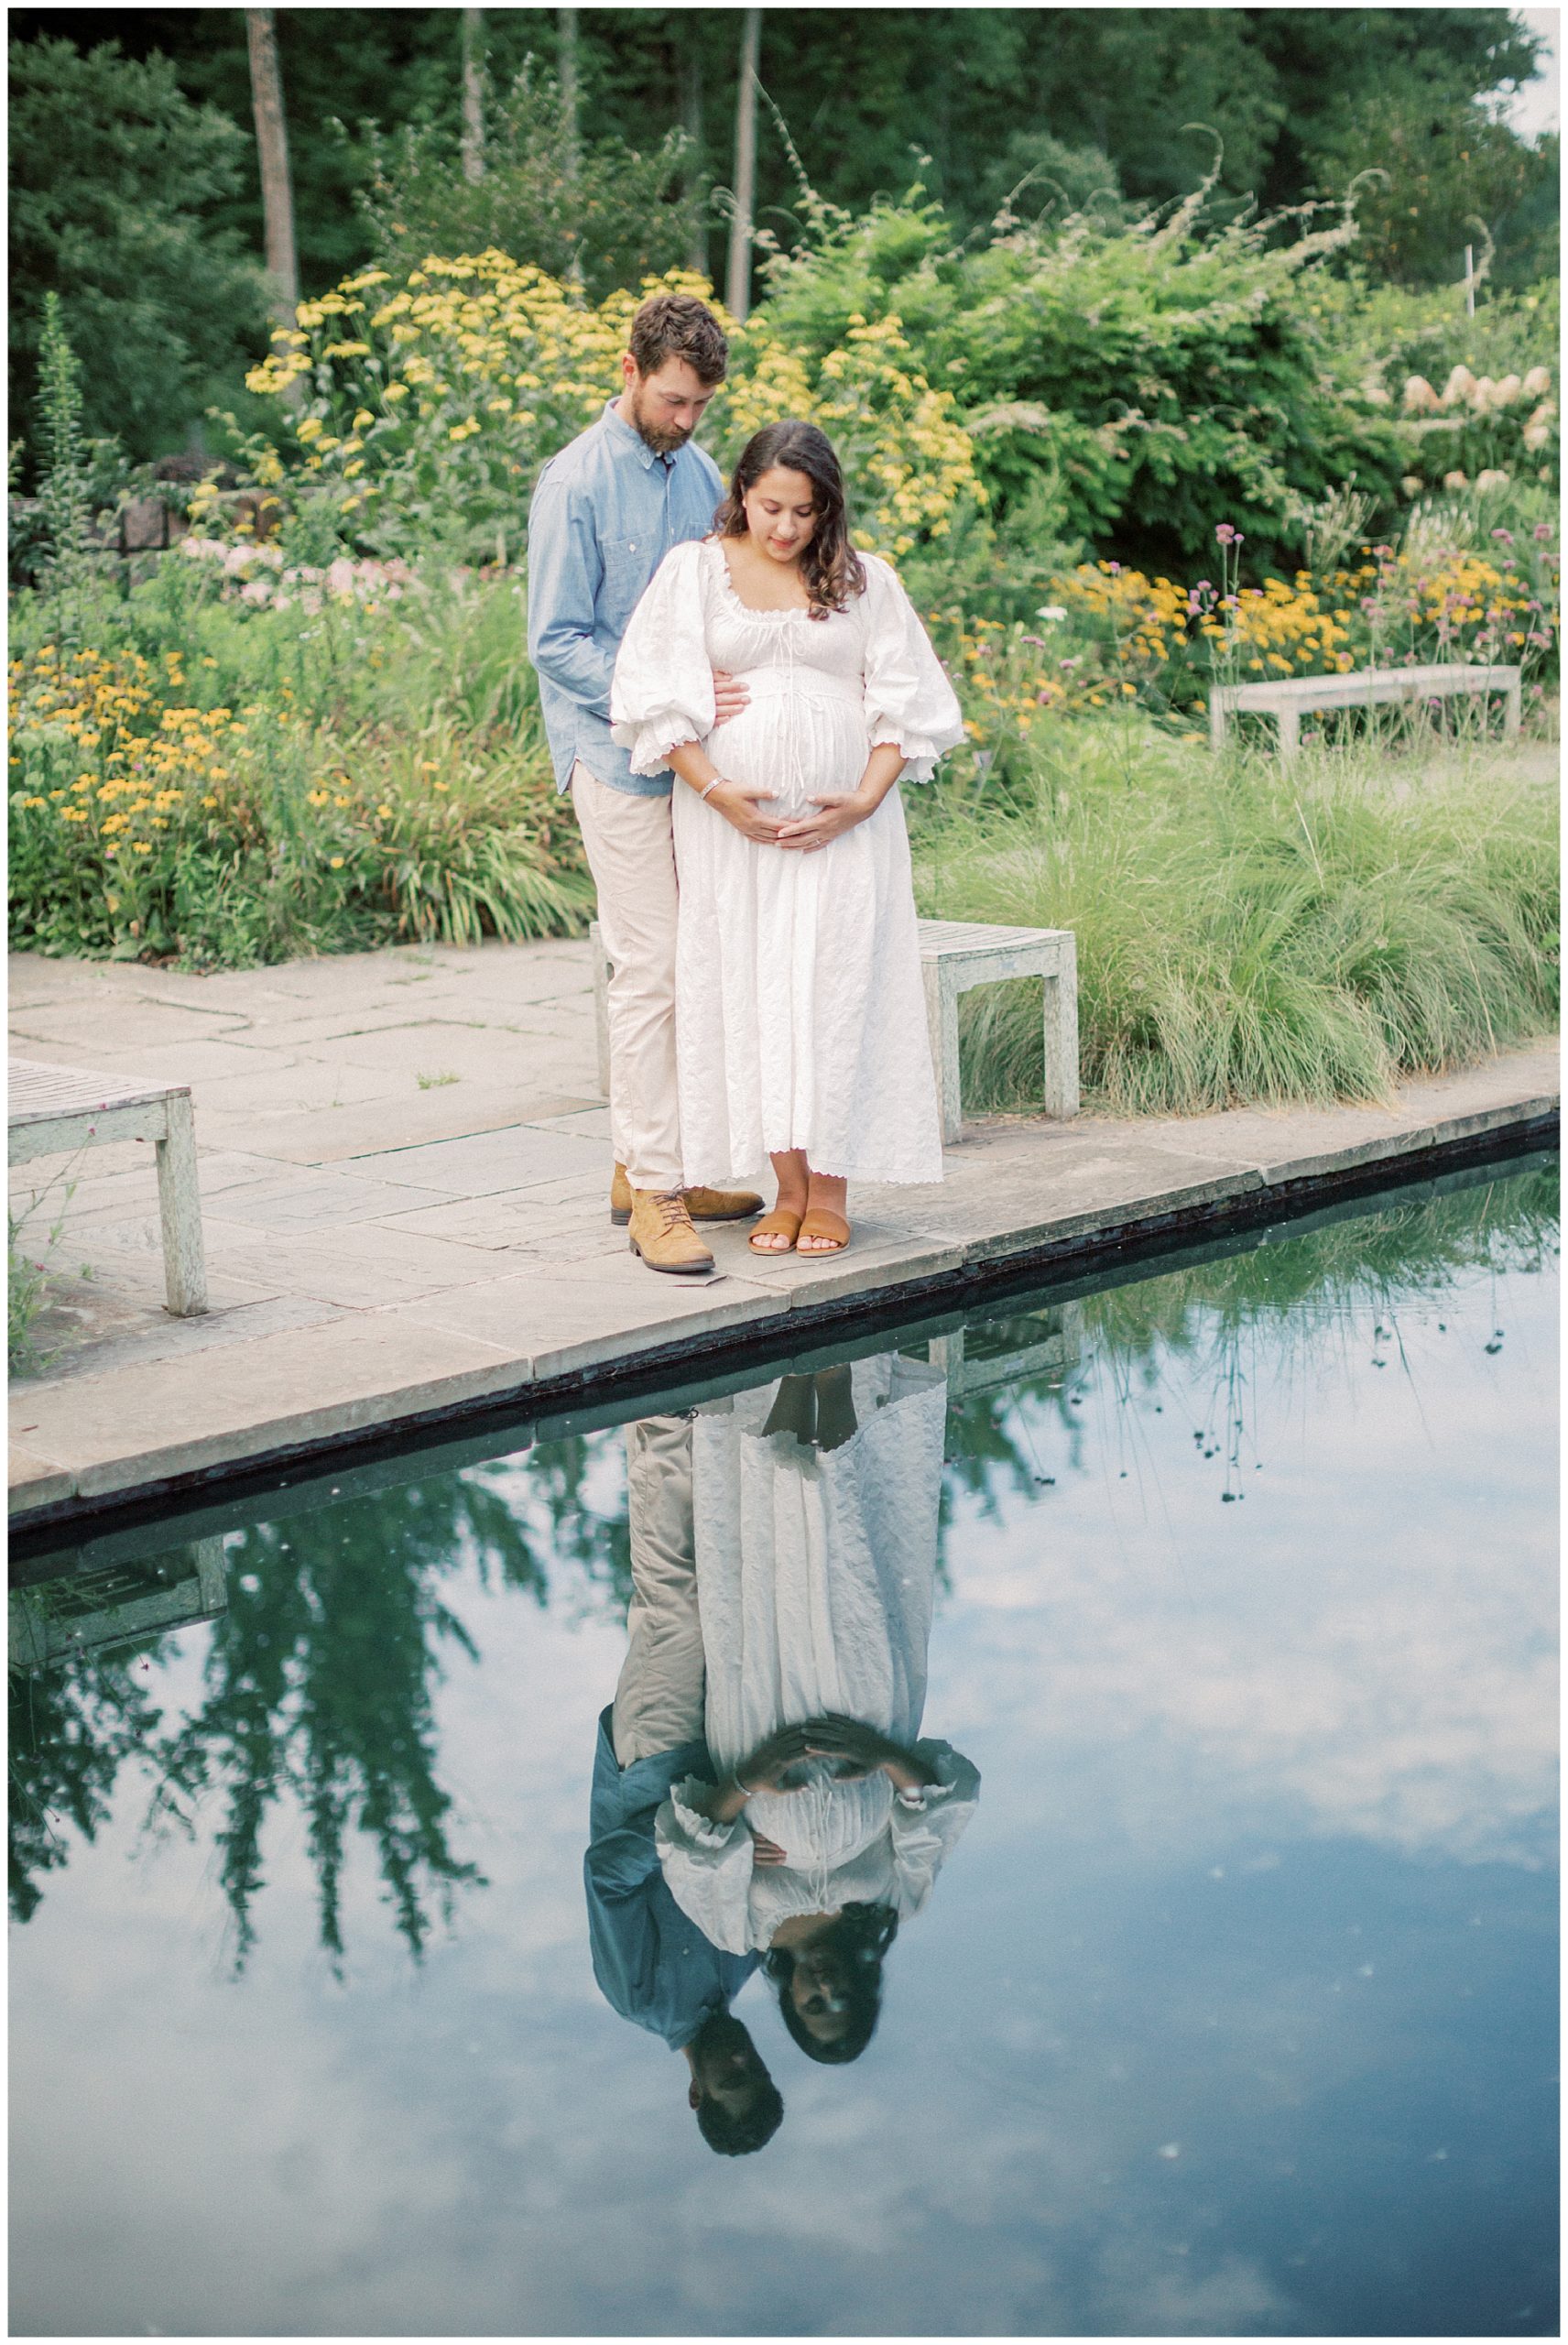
pixel 335 862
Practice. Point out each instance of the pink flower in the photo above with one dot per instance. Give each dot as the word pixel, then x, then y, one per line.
pixel 1227 534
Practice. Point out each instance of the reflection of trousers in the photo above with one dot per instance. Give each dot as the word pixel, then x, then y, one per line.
pixel 631 853
pixel 658 1701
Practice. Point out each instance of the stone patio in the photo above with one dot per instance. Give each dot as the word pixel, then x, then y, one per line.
pixel 403 1165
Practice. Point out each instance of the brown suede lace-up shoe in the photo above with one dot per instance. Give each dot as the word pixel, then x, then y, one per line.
pixel 703 1204
pixel 662 1234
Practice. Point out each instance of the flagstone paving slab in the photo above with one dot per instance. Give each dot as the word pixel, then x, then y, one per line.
pixel 378 1251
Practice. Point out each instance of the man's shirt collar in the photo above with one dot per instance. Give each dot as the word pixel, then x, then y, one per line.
pixel 647 457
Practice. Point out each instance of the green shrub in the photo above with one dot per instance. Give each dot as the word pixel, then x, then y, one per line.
pixel 1245 935
pixel 117 185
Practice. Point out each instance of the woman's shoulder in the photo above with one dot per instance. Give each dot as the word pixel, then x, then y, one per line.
pixel 883 584
pixel 688 559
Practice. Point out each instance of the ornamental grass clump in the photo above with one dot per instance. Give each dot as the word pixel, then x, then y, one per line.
pixel 1245 935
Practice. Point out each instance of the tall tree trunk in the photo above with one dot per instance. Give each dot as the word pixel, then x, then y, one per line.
pixel 473 96
pixel 691 123
pixel 272 146
pixel 276 186
pixel 570 130
pixel 737 278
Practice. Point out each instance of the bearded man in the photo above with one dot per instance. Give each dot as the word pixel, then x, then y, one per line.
pixel 605 512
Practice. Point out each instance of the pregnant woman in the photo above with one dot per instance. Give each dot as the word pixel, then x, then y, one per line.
pixel 801 1024
pixel 826 1819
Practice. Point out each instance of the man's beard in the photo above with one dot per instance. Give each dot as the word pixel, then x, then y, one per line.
pixel 662 438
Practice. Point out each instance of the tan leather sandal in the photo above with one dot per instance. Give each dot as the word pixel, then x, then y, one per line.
pixel 820 1223
pixel 780 1223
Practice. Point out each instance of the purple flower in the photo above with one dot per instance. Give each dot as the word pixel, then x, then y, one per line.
pixel 1505 536
pixel 1226 533
pixel 1205 586
pixel 1115 568
pixel 1541 532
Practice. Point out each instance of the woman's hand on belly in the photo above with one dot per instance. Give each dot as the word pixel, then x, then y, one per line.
pixel 740 802
pixel 835 815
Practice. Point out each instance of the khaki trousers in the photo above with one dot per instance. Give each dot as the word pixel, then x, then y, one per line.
pixel 631 854
pixel 658 1701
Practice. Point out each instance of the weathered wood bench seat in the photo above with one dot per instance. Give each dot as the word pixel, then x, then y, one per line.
pixel 955 955
pixel 57 1110
pixel 1289 698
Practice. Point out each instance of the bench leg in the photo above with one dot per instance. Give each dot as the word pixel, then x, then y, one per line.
pixel 179 1210
pixel 1289 733
pixel 600 1005
pixel 942 1021
pixel 1512 710
pixel 1062 1033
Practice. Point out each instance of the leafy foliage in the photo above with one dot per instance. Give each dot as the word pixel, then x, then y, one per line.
pixel 114 179
pixel 431 404
pixel 376 771
pixel 607 215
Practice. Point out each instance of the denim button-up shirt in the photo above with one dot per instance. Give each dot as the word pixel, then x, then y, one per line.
pixel 653 1965
pixel 605 512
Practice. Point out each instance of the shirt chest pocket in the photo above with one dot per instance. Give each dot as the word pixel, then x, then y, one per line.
pixel 629 563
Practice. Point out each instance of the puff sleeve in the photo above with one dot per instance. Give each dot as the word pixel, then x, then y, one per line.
pixel 662 690
pixel 926 1824
pixel 707 1867
pixel 908 700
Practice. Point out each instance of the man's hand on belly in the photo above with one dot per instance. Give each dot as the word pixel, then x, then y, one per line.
pixel 730 696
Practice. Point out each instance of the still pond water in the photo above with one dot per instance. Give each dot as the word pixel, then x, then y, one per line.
pixel 1230 2009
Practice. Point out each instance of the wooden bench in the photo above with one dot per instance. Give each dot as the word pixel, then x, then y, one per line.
pixel 57 1110
pixel 954 955
pixel 1290 698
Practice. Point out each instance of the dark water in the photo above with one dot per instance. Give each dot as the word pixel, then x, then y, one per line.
pixel 1232 2012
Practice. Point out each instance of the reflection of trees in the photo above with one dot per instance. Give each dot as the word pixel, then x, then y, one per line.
pixel 319 1684
pixel 70 1728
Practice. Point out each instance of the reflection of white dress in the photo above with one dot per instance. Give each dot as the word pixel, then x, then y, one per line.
pixel 799 1011
pixel 815 1572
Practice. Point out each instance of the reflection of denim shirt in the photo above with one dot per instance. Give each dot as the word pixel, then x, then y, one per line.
pixel 652 1964
pixel 605 512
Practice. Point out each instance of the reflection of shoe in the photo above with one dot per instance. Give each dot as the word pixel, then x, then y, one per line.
pixel 703 1204
pixel 661 1233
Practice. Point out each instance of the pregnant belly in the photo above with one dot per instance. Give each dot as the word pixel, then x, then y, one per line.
pixel 797 749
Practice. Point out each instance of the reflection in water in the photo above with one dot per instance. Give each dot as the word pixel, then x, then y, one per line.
pixel 759 1790
pixel 655 1966
pixel 823 1821
pixel 1253 1923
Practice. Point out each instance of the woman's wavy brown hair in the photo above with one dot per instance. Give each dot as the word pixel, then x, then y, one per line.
pixel 831 567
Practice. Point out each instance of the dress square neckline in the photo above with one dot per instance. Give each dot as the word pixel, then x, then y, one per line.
pixel 750 610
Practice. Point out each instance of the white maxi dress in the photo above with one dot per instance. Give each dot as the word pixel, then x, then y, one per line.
pixel 799 1016
pixel 815 1576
